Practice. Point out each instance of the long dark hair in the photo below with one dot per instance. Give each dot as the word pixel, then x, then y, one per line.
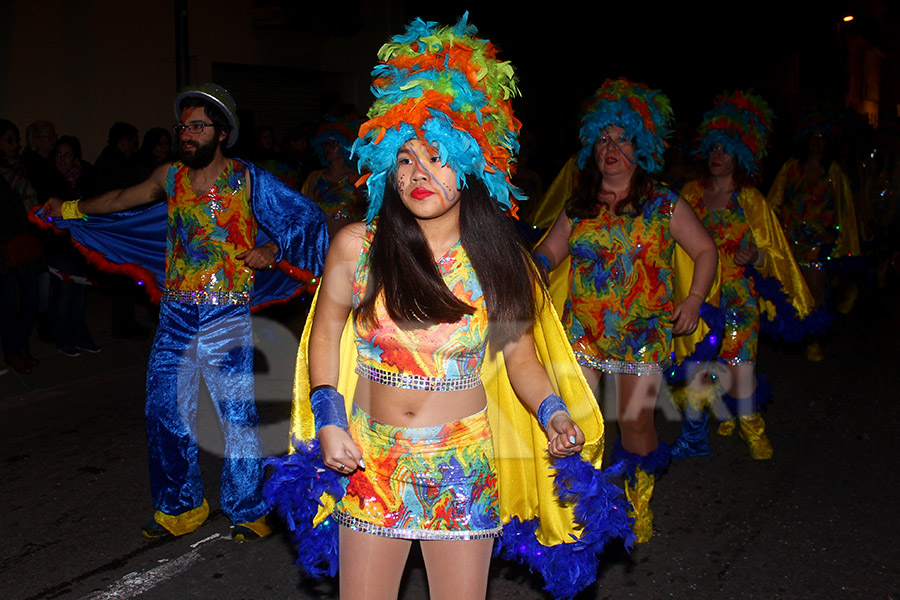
pixel 585 204
pixel 401 266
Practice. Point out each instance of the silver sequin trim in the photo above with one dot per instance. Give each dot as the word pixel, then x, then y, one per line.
pixel 413 534
pixel 418 382
pixel 621 366
pixel 204 297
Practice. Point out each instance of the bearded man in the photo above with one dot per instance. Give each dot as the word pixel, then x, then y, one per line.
pixel 226 225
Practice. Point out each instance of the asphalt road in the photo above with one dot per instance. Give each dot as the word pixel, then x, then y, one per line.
pixel 817 521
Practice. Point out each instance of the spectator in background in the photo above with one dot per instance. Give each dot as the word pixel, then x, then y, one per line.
pixel 38 160
pixel 155 150
pixel 37 156
pixel 74 178
pixel 118 167
pixel 296 152
pixel 21 255
pixel 266 156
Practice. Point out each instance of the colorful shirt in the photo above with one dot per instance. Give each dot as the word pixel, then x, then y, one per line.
pixel 206 233
pixel 336 199
pixel 441 351
pixel 730 229
pixel 620 287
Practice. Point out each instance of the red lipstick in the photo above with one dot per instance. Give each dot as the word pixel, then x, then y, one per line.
pixel 421 193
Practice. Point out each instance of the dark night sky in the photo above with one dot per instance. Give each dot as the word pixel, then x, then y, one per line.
pixel 788 51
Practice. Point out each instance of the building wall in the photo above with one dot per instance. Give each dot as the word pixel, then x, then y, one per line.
pixel 85 64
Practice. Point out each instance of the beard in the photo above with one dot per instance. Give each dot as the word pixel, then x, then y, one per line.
pixel 202 154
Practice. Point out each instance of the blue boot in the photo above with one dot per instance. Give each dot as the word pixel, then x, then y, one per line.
pixel 694 438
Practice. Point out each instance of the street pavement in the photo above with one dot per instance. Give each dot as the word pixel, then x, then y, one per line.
pixel 817 521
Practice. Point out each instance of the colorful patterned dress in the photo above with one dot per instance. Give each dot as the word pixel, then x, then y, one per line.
pixel 730 229
pixel 818 217
pixel 336 199
pixel 620 288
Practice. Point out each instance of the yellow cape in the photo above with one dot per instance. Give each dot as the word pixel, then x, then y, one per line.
pixel 845 214
pixel 525 479
pixel 769 237
pixel 556 195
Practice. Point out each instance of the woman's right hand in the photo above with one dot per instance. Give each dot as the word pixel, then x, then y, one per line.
pixel 339 452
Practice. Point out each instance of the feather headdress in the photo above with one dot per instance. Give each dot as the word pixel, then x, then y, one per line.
pixel 444 86
pixel 644 114
pixel 818 117
pixel 343 131
pixel 740 122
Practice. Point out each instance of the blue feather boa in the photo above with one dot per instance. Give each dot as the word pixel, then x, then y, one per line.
pixel 653 464
pixel 787 324
pixel 600 510
pixel 293 491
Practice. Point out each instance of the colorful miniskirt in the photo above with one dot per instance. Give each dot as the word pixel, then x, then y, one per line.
pixel 422 483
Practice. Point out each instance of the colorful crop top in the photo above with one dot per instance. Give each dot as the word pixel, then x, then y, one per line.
pixel 205 235
pixel 440 357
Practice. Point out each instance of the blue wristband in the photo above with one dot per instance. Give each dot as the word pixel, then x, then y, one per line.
pixel 545 263
pixel 551 405
pixel 328 407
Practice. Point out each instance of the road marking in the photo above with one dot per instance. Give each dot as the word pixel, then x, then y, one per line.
pixel 134 584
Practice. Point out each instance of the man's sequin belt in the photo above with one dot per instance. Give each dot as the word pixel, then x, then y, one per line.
pixel 418 382
pixel 206 297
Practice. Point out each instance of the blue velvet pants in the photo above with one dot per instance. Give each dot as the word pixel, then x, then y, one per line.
pixel 217 343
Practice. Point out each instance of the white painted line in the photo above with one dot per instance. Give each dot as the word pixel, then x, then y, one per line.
pixel 207 539
pixel 135 584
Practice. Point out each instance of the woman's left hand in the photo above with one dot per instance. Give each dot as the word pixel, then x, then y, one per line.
pixel 565 437
pixel 686 316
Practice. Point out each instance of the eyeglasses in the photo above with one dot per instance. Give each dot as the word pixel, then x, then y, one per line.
pixel 194 128
pixel 621 141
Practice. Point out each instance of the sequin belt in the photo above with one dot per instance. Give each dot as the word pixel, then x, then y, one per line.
pixel 620 366
pixel 206 297
pixel 418 382
pixel 357 524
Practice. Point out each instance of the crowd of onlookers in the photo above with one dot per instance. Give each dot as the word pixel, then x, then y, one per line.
pixel 44 277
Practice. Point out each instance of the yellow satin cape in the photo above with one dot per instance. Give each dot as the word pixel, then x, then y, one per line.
pixel 779 260
pixel 847 243
pixel 556 195
pixel 525 478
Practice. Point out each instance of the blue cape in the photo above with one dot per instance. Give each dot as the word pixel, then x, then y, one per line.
pixel 134 241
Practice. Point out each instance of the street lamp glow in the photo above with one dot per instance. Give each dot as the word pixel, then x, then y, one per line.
pixel 848 18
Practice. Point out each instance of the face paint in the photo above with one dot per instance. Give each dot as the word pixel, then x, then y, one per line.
pixel 426 186
pixel 614 152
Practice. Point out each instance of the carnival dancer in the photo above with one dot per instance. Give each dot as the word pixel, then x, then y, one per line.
pixel 440 377
pixel 619 231
pixel 333 188
pixel 215 222
pixel 732 141
pixel 812 198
